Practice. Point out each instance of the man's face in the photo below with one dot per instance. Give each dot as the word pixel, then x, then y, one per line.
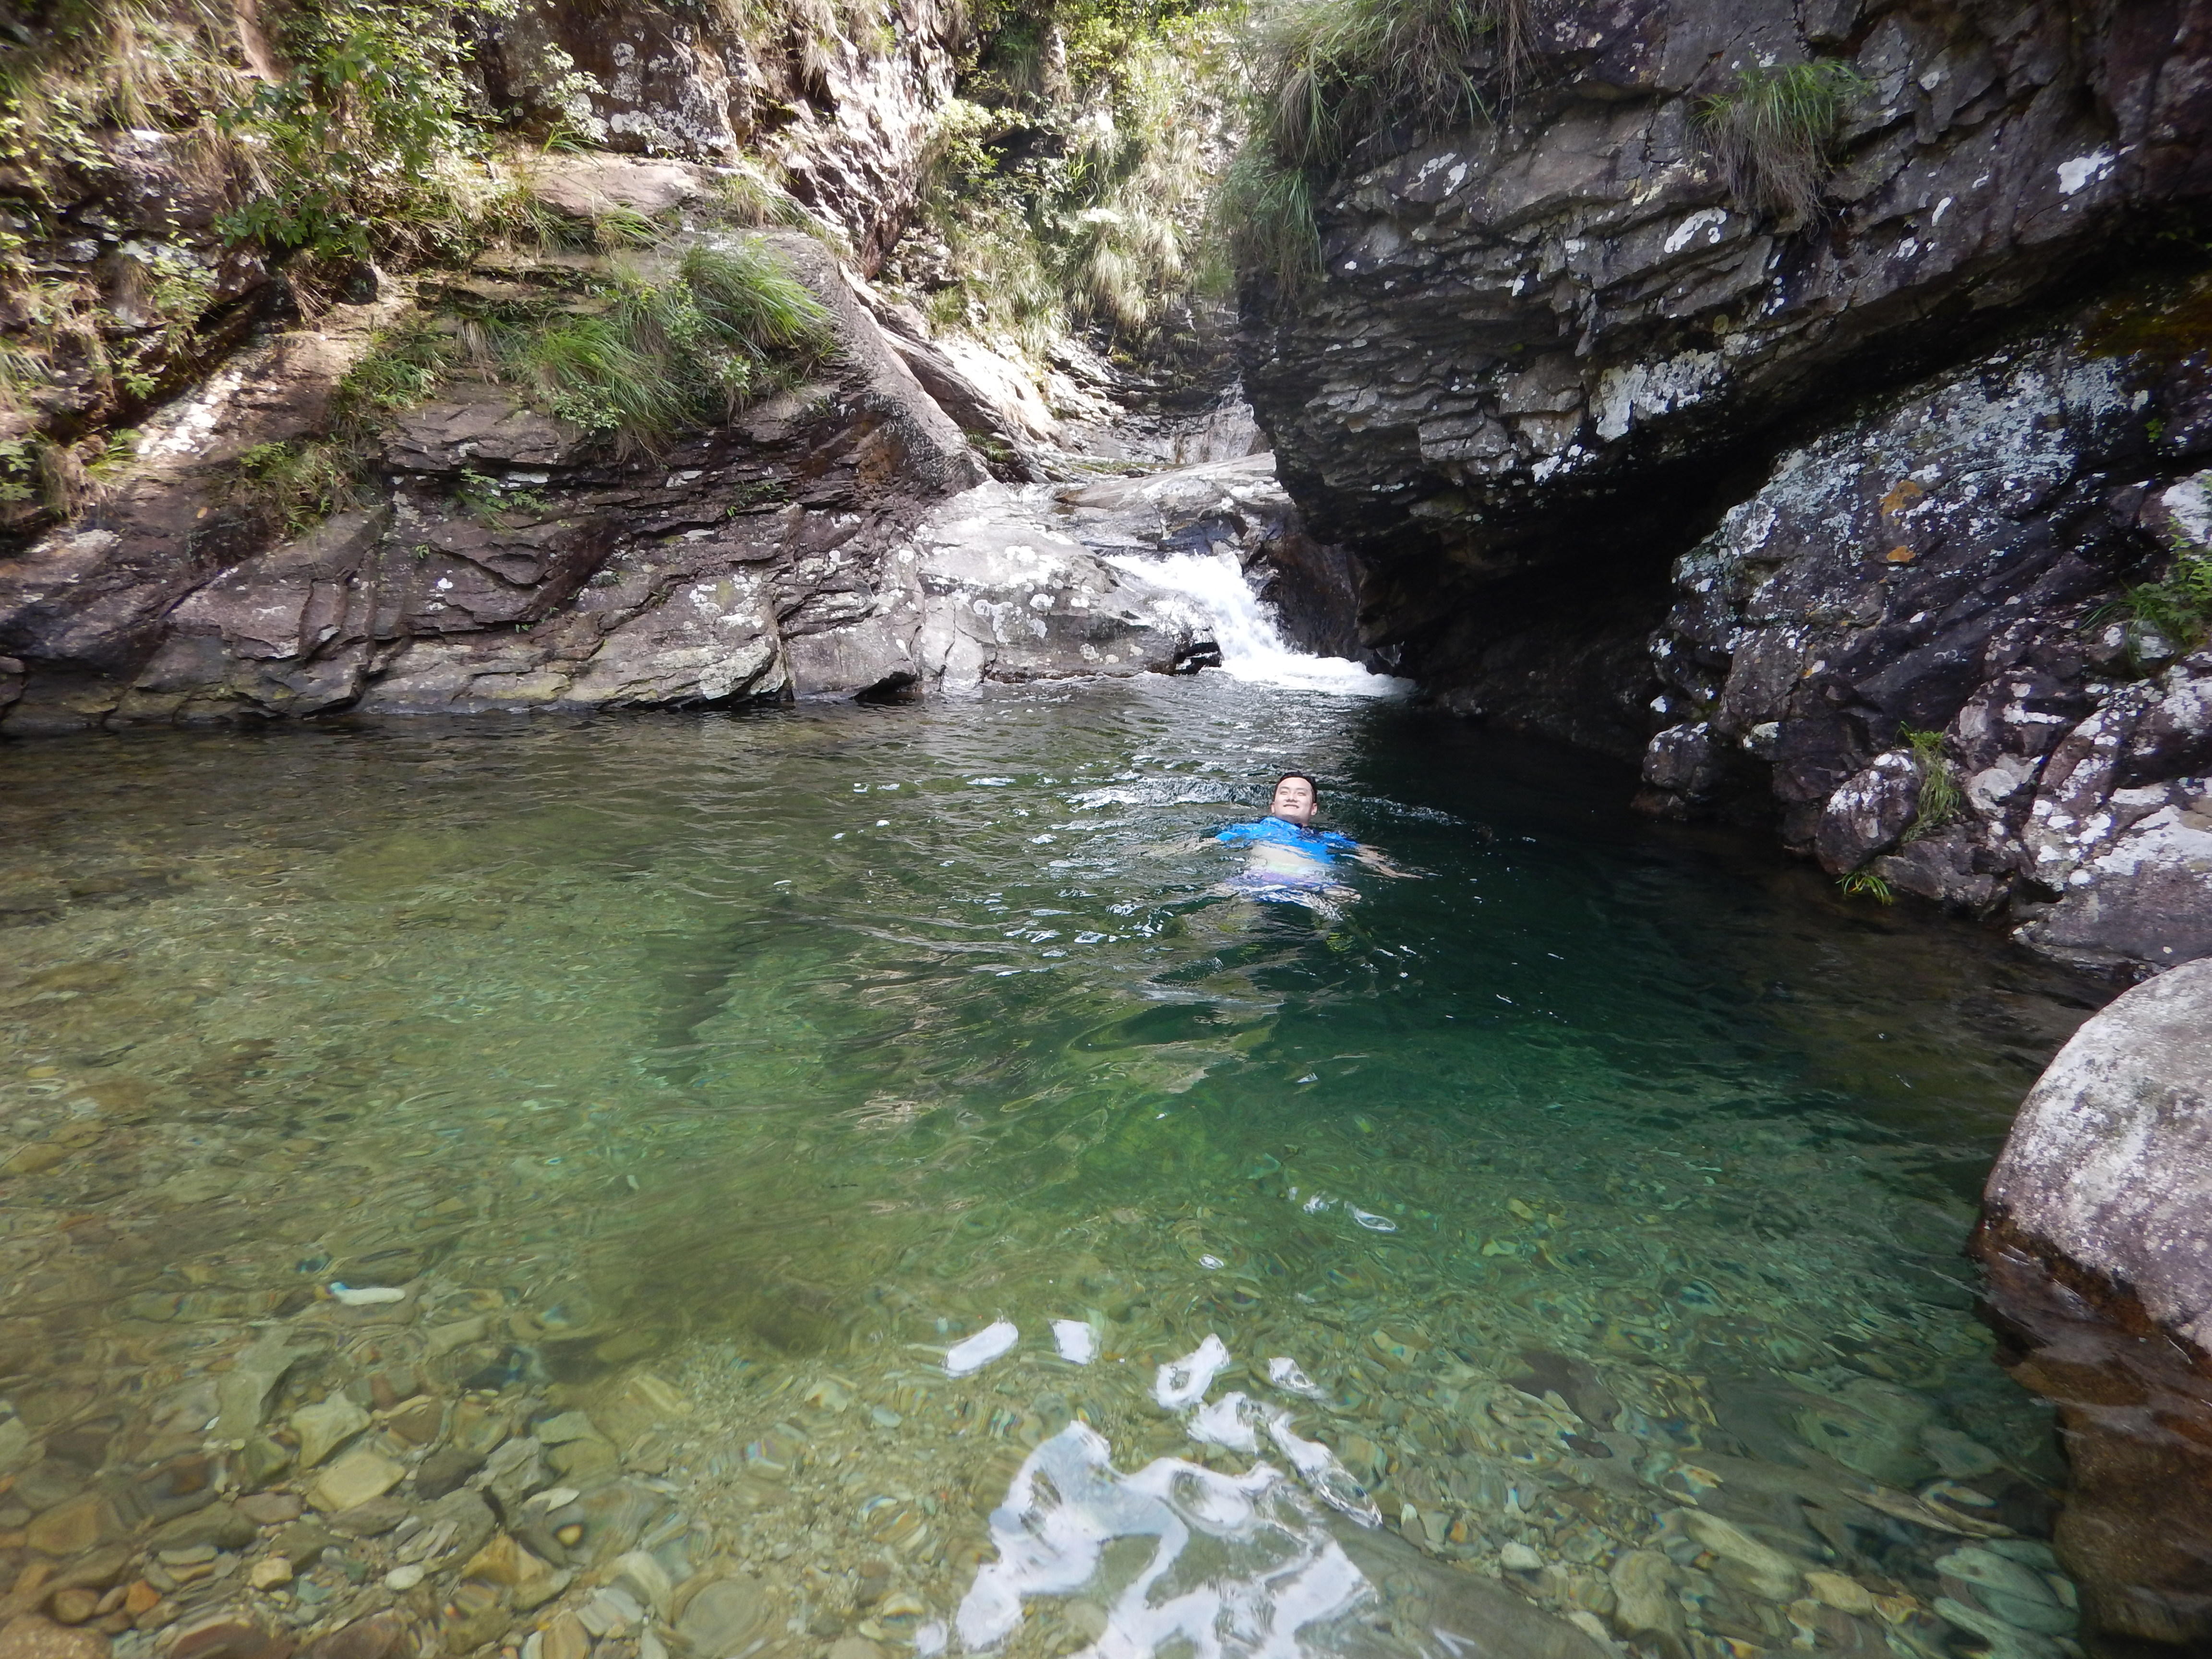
pixel 1294 800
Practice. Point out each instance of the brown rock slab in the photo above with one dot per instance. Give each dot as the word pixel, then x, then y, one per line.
pixel 34 1158
pixel 379 1636
pixel 271 1509
pixel 503 1561
pixel 355 1478
pixel 218 1524
pixel 227 1636
pixel 567 1638
pixel 82 1523
pixel 73 1607
pixel 418 1421
pixel 371 1520
pixel 33 1638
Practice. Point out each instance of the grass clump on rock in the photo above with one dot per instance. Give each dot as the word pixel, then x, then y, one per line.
pixel 1941 797
pixel 1326 75
pixel 292 485
pixel 1773 133
pixel 727 325
pixel 1330 73
pixel 2178 608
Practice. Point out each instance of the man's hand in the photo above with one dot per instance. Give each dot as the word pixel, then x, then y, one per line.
pixel 1168 849
pixel 1382 866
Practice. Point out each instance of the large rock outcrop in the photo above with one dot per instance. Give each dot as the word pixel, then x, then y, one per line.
pixel 840 539
pixel 1558 330
pixel 2097 1238
pixel 1948 563
pixel 1896 469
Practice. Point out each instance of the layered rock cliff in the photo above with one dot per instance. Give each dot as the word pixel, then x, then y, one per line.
pixel 1626 457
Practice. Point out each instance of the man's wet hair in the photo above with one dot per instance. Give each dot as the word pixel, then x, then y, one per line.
pixel 1306 778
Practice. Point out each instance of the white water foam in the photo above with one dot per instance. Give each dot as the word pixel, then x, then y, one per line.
pixel 1208 592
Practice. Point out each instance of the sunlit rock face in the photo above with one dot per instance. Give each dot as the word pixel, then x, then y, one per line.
pixel 2095 1235
pixel 840 538
pixel 843 122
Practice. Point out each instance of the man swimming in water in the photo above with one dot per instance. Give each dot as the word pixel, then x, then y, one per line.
pixel 1287 859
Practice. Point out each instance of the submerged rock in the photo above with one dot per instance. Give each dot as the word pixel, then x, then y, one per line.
pixel 2097 1233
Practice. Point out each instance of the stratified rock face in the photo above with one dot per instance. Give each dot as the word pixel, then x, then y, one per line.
pixel 2098 1236
pixel 1545 352
pixel 1528 334
pixel 1948 563
pixel 838 539
pixel 1550 354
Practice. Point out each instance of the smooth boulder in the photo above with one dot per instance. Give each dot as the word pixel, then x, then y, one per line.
pixel 2097 1234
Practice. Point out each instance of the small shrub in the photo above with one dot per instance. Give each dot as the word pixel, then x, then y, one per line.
pixel 364 147
pixel 1266 216
pixel 1773 133
pixel 2178 606
pixel 1939 795
pixel 293 486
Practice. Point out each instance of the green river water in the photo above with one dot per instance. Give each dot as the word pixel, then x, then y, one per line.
pixel 714 1076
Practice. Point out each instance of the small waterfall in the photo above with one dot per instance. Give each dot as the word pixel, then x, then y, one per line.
pixel 1208 590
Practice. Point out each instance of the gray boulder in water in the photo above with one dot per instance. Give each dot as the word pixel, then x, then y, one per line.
pixel 2097 1233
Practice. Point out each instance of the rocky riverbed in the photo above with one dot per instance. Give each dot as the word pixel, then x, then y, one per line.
pixel 554 1192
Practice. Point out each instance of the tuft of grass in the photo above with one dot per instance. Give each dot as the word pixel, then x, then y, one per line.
pixel 666 356
pixel 1773 133
pixel 293 486
pixel 1326 75
pixel 1941 797
pixel 1864 884
pixel 1265 213
pixel 2178 607
pixel 1329 74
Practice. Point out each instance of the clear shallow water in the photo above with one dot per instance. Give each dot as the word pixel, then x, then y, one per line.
pixel 715 1076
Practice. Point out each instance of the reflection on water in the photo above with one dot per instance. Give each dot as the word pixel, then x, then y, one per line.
pixel 847 1179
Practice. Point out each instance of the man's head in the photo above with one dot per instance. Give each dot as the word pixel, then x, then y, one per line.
pixel 1296 799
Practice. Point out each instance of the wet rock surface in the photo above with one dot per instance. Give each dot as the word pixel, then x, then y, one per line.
pixel 1952 564
pixel 2101 1264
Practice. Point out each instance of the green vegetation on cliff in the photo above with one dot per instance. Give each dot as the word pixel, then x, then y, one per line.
pixel 1772 132
pixel 332 144
pixel 1323 76
pixel 1069 180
